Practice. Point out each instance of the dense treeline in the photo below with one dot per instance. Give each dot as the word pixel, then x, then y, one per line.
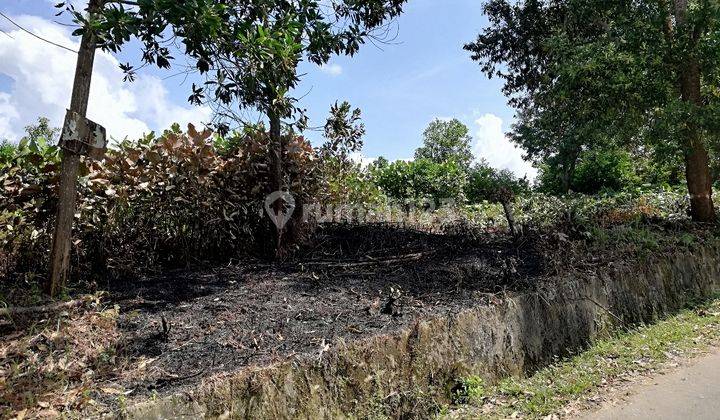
pixel 598 82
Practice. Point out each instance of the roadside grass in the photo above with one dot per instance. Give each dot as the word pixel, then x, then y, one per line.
pixel 617 359
pixel 61 364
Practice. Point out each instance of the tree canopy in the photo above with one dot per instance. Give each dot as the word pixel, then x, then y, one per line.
pixel 591 73
pixel 445 141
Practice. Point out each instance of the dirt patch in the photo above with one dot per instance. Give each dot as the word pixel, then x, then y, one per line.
pixel 411 372
pixel 351 283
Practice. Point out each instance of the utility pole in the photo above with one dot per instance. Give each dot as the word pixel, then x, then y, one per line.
pixel 60 252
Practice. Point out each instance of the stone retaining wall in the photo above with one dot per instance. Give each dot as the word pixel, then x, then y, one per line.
pixel 409 372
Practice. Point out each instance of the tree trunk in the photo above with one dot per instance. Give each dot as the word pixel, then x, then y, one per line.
pixel 565 179
pixel 509 216
pixel 276 147
pixel 697 168
pixel 60 252
pixel 568 173
pixel 276 173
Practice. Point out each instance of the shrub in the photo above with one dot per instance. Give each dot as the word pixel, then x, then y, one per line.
pixel 348 183
pixel 485 183
pixel 612 170
pixel 416 181
pixel 152 203
pixel 28 179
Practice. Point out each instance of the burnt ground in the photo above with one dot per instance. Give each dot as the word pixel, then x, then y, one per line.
pixel 353 282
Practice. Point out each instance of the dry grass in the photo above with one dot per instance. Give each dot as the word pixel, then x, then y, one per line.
pixel 59 364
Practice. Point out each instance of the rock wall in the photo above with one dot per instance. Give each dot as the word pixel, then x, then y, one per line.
pixel 406 374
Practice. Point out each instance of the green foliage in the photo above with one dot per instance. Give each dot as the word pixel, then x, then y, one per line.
pixel 195 24
pixel 596 171
pixel 441 171
pixel 380 162
pixel 470 389
pixel 348 183
pixel 42 132
pixel 445 141
pixel 275 37
pixel 343 131
pixel 232 143
pixel 7 152
pixel 248 50
pixel 600 170
pixel 611 170
pixel 488 184
pixel 592 76
pixel 342 180
pixel 421 180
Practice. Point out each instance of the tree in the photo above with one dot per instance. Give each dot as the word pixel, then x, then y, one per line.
pixel 108 24
pixel 496 186
pixel 689 37
pixel 380 162
pixel 42 130
pixel 420 180
pixel 635 66
pixel 256 60
pixel 343 133
pixel 483 181
pixel 343 179
pixel 445 141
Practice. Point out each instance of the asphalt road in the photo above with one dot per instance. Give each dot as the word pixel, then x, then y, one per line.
pixel 691 392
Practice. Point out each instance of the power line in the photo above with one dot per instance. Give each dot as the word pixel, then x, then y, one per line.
pixel 10 36
pixel 36 36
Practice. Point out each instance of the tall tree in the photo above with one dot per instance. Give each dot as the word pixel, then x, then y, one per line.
pixel 446 141
pixel 687 35
pixel 622 68
pixel 257 61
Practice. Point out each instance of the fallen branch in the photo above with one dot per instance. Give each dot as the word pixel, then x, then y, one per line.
pixel 373 261
pixel 43 309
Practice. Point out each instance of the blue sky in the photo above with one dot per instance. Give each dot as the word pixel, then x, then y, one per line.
pixel 422 74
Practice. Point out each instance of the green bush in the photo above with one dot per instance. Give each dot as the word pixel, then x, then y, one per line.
pixel 7 151
pixel 485 184
pixel 347 183
pixel 611 171
pixel 419 180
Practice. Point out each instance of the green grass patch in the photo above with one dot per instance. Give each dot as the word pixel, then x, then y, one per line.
pixel 625 354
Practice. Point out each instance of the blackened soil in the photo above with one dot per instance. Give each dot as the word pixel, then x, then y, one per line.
pixel 352 282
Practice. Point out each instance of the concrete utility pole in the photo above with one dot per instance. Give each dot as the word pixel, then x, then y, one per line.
pixel 60 252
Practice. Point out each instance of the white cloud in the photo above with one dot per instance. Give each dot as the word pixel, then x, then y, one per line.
pixel 42 77
pixel 364 161
pixel 7 113
pixel 492 144
pixel 332 69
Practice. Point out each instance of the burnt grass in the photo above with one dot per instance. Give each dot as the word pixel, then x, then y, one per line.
pixel 351 282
